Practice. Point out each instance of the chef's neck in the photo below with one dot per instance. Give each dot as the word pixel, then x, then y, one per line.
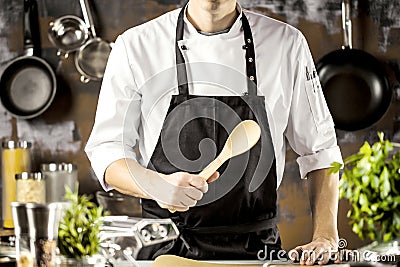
pixel 212 16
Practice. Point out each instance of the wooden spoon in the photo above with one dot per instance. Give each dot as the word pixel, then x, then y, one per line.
pixel 243 137
pixel 172 261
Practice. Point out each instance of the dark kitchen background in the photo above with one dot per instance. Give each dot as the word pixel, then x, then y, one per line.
pixel 60 133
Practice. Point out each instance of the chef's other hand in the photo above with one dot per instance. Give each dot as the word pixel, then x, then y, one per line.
pixel 319 251
pixel 184 190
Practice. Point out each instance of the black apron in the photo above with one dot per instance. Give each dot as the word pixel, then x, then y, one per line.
pixel 236 219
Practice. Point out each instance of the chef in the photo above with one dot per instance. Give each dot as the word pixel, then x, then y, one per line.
pixel 173 90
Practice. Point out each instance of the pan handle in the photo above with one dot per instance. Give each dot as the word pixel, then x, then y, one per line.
pixel 87 16
pixel 31 28
pixel 346 24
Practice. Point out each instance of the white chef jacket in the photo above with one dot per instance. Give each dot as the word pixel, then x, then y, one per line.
pixel 140 79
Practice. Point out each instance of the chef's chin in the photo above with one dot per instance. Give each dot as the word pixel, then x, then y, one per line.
pixel 214 5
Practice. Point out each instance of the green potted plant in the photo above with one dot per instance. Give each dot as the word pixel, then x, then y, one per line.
pixel 78 232
pixel 371 183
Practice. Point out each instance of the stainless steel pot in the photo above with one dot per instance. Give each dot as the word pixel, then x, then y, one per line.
pixel 68 34
pixel 119 204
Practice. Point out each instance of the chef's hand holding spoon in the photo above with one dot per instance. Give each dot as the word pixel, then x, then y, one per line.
pixel 243 137
pixel 185 191
pixel 178 191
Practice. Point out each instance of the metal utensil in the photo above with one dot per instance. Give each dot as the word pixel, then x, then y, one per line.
pixel 68 33
pixel 128 254
pixel 92 57
pixel 123 237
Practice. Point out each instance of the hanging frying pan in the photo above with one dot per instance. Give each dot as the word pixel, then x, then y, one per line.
pixel 68 33
pixel 355 84
pixel 28 84
pixel 91 59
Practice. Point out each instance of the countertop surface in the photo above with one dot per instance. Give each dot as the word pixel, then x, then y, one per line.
pixel 233 263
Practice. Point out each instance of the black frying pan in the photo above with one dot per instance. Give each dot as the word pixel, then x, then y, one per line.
pixel 28 84
pixel 355 84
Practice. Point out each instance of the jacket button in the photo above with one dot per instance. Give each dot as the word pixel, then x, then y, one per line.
pixel 251 78
pixel 184 47
pixel 250 59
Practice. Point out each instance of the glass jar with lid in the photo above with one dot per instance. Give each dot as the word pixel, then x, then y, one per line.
pixel 59 175
pixel 15 159
pixel 31 187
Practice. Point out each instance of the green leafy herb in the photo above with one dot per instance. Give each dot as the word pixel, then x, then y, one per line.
pixel 79 228
pixel 371 183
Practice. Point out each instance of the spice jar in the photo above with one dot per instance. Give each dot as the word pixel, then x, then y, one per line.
pixel 59 175
pixel 15 159
pixel 31 187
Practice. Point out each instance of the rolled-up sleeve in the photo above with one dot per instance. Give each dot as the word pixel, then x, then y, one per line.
pixel 115 133
pixel 310 131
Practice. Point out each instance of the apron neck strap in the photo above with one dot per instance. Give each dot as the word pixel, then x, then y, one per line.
pixel 248 46
pixel 250 57
pixel 180 61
